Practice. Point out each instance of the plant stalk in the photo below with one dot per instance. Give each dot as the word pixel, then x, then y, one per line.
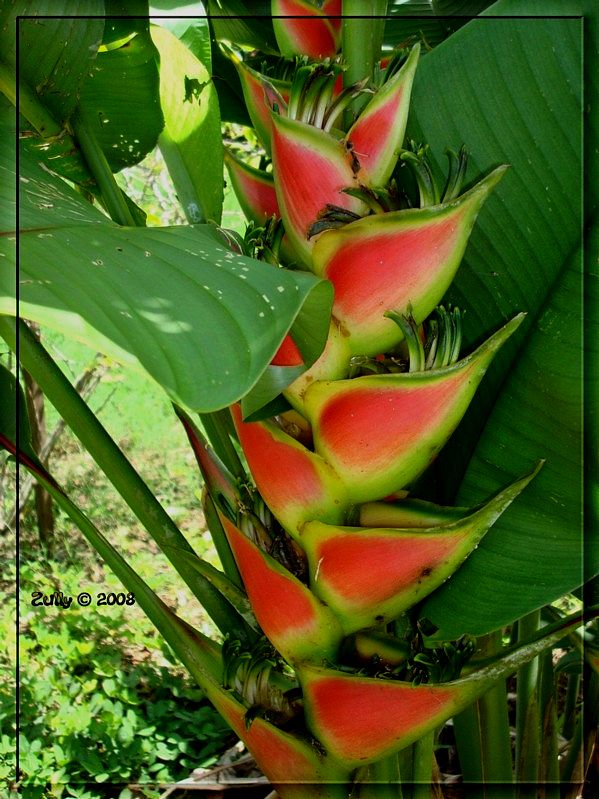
pixel 362 36
pixel 527 712
pixel 28 103
pixel 483 734
pixel 549 775
pixel 423 766
pixel 96 160
pixel 572 762
pixel 571 706
pixel 386 772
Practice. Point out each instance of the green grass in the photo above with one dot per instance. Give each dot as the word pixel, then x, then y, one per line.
pixel 102 702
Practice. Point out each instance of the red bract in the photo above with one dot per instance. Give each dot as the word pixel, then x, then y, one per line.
pixel 377 134
pixel 379 433
pixel 288 354
pixel 297 485
pixel 395 261
pixel 292 618
pixel 254 189
pixel 256 89
pixel 302 28
pixel 370 576
pixel 311 169
pixel 284 758
pixel 360 719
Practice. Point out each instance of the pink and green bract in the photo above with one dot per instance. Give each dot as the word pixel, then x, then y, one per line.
pixel 305 28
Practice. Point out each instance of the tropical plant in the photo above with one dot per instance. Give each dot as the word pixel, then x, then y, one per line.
pixel 316 363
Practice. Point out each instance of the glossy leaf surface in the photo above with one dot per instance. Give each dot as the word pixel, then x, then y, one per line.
pixel 191 140
pixel 201 320
pixel 120 99
pixel 56 50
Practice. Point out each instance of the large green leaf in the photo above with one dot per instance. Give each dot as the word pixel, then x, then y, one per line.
pixel 592 401
pixel 189 23
pixel 175 302
pixel 56 51
pixel 511 90
pixel 120 99
pixel 430 20
pixel 191 140
pixel 245 23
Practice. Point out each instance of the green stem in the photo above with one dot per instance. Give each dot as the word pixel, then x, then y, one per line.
pixel 362 36
pixel 221 542
pixel 483 733
pixel 549 764
pixel 527 712
pixel 96 160
pixel 29 104
pixel 571 706
pixel 423 766
pixel 590 716
pixel 187 195
pixel 467 727
pixel 380 780
pixel 405 759
pixel 94 437
pixel 571 763
pixel 218 427
pixel 386 772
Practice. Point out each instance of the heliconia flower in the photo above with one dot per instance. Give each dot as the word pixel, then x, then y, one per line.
pixel 376 136
pixel 331 365
pixel 288 353
pixel 380 432
pixel 295 483
pixel 311 170
pixel 286 759
pixel 302 28
pixel 361 719
pixel 256 89
pixel 255 191
pixel 370 576
pixel 295 621
pixel 393 261
pixel 254 188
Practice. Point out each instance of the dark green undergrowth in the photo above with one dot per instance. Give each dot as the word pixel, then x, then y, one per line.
pixel 102 702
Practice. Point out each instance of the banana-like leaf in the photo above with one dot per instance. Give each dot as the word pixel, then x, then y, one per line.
pixel 175 302
pixel 191 140
pixel 56 49
pixel 431 20
pixel 243 23
pixel 511 90
pixel 120 99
